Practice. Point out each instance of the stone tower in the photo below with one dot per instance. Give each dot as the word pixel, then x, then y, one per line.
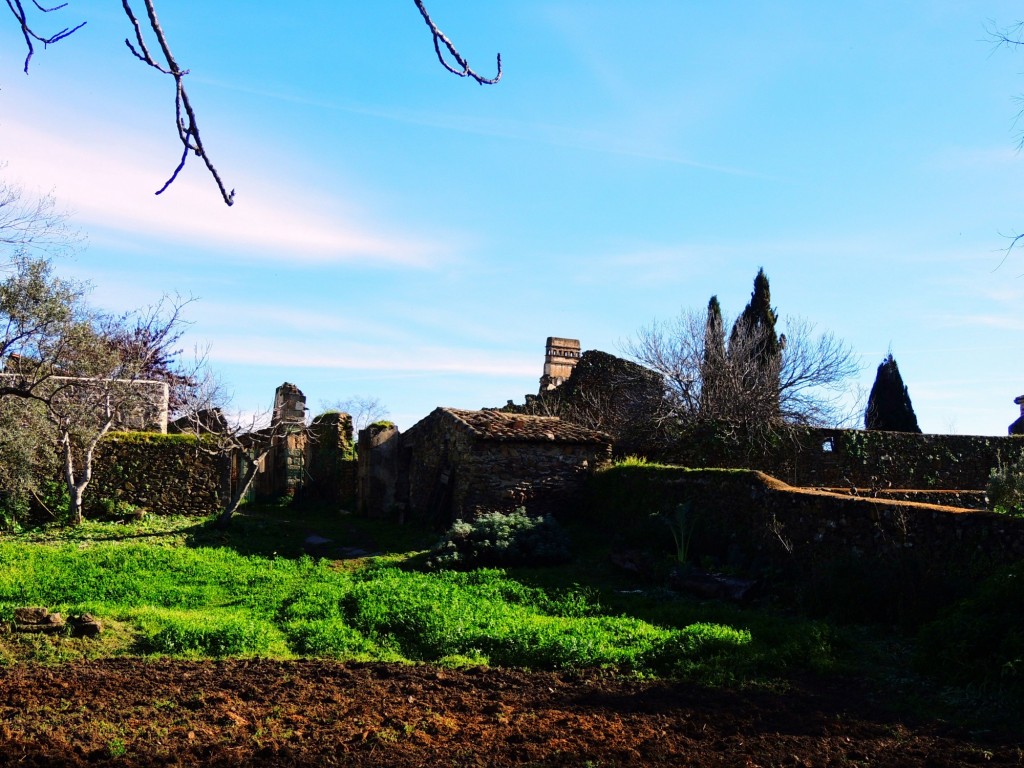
pixel 560 358
pixel 289 405
pixel 288 456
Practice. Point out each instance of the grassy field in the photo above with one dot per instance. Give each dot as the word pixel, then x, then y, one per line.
pixel 177 587
pixel 285 583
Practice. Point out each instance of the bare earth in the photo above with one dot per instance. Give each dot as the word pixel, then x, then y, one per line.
pixel 134 712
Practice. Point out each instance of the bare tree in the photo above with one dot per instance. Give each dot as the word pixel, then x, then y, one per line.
pixel 31 226
pixel 805 384
pixel 242 441
pixel 1011 36
pixel 363 409
pixel 164 62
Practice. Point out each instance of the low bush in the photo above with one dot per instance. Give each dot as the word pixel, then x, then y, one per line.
pixel 497 539
pixel 979 641
pixel 205 634
pixel 1006 488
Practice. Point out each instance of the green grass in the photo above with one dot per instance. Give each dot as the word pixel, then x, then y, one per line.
pixel 177 587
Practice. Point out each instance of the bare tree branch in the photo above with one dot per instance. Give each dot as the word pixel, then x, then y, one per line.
pixel 185 116
pixel 440 39
pixel 188 129
pixel 362 409
pixel 30 34
pixel 31 226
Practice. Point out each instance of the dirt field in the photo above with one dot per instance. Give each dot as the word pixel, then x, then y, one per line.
pixel 132 712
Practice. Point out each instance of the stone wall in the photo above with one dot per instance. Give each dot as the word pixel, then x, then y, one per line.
pixel 315 462
pixel 378 471
pixel 282 471
pixel 331 465
pixel 863 459
pixel 165 474
pixel 428 468
pixel 457 464
pixel 605 393
pixel 748 519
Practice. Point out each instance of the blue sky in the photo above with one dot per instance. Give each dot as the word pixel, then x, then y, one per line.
pixel 409 235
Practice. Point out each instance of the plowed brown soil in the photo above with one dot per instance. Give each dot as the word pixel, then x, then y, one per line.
pixel 135 712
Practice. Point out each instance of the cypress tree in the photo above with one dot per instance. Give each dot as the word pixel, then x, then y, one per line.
pixel 755 347
pixel 758 320
pixel 712 369
pixel 889 406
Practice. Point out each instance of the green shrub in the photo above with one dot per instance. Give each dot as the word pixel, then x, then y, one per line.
pixel 330 637
pixel 188 633
pixel 979 641
pixel 1006 488
pixel 497 539
pixel 116 508
pixel 14 510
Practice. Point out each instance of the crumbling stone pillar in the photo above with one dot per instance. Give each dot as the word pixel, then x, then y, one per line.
pixel 289 405
pixel 331 469
pixel 378 470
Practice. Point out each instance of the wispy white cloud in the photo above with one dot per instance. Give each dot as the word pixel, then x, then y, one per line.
pixel 1002 322
pixel 552 134
pixel 412 360
pixel 110 188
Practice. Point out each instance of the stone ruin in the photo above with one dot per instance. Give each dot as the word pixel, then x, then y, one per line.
pixel 1017 428
pixel 561 356
pixel 315 460
pixel 145 411
pixel 456 464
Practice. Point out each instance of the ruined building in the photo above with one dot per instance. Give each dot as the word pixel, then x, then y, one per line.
pixel 456 464
pixel 560 358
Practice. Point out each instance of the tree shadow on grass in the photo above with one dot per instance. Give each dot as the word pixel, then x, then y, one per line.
pixel 293 530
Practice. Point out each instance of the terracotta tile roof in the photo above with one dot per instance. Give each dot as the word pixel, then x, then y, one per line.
pixel 497 425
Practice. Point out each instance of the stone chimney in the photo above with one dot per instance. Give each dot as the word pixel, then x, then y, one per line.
pixel 289 405
pixel 560 358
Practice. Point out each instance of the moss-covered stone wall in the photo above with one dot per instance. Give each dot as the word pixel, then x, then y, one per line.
pixel 331 466
pixel 859 458
pixel 164 474
pixel 750 520
pixel 448 472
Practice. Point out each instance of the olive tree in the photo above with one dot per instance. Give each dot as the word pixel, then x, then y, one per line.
pixel 83 368
pixel 106 382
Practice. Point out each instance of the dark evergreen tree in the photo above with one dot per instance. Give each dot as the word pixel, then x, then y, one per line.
pixel 758 321
pixel 713 362
pixel 755 349
pixel 889 406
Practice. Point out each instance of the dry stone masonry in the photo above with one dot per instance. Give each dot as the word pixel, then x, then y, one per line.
pixel 561 356
pixel 456 464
